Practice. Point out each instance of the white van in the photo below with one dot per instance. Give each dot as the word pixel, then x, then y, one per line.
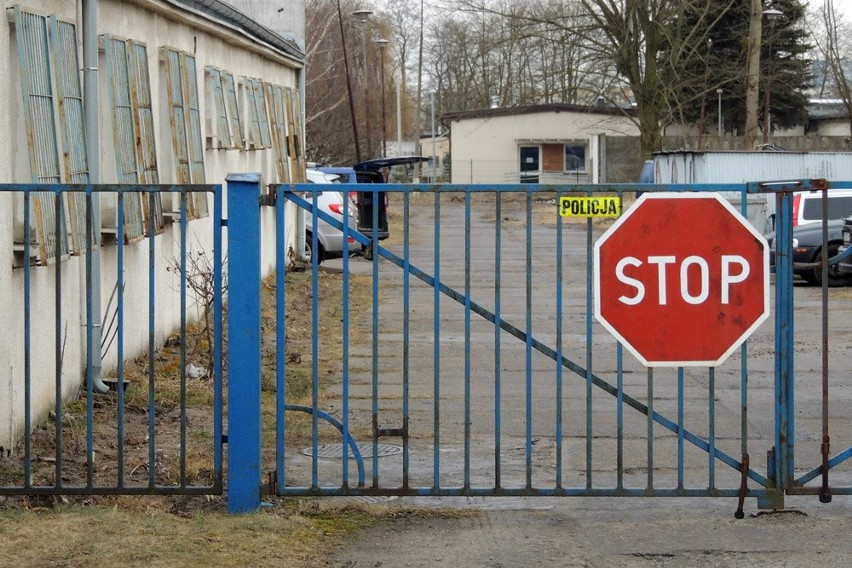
pixel 807 206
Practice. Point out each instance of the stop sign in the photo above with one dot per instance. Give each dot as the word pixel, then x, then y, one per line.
pixel 681 279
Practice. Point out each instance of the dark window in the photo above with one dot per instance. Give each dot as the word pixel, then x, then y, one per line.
pixel 839 207
pixel 575 158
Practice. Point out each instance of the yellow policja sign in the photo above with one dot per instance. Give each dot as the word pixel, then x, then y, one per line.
pixel 590 206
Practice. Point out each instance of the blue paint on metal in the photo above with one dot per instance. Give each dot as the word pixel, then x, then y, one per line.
pixel 27 349
pixel 680 410
pixel 559 316
pixel 436 379
pixel 498 213
pixel 406 334
pixel 90 426
pixel 784 349
pixel 314 342
pixel 467 418
pixel 711 399
pixel 588 372
pixel 650 428
pixel 243 344
pixel 345 293
pixel 119 284
pixel 374 245
pixel 281 339
pixel 528 341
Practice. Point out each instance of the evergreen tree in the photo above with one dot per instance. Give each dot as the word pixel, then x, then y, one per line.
pixel 721 64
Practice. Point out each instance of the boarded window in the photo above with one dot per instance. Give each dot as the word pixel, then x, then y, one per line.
pixel 185 122
pixel 293 107
pixel 56 144
pixel 278 122
pixel 230 93
pixel 123 135
pixel 218 110
pixel 259 136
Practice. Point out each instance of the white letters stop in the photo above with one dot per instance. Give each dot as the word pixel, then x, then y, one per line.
pixel 734 269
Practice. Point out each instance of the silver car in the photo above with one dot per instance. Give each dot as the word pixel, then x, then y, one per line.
pixel 329 239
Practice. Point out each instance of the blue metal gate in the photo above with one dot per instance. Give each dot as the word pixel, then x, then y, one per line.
pixel 156 427
pixel 483 372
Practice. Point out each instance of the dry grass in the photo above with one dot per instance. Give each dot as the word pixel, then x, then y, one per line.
pixel 196 531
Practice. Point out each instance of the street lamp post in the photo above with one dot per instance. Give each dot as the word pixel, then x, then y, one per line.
pixel 772 16
pixel 362 15
pixel 383 43
pixel 719 127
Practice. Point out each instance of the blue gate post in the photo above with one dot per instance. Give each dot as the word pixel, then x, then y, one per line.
pixel 243 342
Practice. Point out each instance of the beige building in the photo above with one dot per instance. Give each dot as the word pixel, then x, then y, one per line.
pixel 188 91
pixel 552 143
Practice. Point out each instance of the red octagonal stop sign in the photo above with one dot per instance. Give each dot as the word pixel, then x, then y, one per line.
pixel 681 279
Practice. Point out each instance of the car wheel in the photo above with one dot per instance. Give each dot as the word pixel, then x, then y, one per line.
pixel 309 241
pixel 835 277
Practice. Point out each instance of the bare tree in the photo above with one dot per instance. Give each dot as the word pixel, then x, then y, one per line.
pixel 835 49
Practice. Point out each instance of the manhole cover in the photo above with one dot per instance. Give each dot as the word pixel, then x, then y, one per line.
pixel 336 450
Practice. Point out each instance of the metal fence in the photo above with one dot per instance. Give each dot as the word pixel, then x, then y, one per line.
pixel 153 427
pixel 484 372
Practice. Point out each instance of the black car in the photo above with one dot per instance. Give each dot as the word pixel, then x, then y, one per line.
pixel 807 250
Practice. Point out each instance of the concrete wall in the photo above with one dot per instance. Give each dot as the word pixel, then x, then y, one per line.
pixel 158 24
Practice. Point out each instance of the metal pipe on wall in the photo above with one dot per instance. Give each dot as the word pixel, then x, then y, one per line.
pixel 90 102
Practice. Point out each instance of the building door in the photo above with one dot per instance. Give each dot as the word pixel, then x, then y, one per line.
pixel 529 166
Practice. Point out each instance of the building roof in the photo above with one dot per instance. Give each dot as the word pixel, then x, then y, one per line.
pixel 223 12
pixel 534 109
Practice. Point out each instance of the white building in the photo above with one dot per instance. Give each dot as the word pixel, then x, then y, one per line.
pixel 188 91
pixel 551 143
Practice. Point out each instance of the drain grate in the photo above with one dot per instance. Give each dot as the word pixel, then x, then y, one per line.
pixel 336 450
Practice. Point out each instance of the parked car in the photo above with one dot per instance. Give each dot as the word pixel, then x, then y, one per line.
pixel 377 171
pixel 807 206
pixel 845 265
pixel 329 239
pixel 807 248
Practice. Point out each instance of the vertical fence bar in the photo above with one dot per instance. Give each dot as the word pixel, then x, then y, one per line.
pixel 711 453
pixel 588 373
pixel 650 434
pixel 243 343
pixel 744 360
pixel 183 222
pixel 59 352
pixel 27 345
pixel 558 347
pixel 467 339
pixel 314 341
pixel 619 410
pixel 281 338
pixel 345 386
pixel 119 309
pixel 680 456
pixel 498 201
pixel 375 326
pixel 90 410
pixel 528 352
pixel 406 332
pixel 152 458
pixel 218 291
pixel 436 348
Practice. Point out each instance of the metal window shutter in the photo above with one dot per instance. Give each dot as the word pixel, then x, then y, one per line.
pixel 124 135
pixel 40 122
pixel 146 148
pixel 230 93
pixel 223 132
